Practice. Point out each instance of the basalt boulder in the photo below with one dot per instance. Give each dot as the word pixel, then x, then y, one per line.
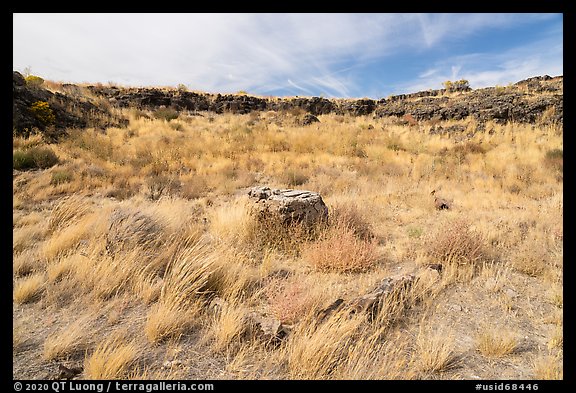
pixel 288 206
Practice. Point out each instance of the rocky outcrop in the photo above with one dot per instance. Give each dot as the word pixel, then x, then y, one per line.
pixel 497 104
pixel 526 101
pixel 36 108
pixel 537 99
pixel 308 119
pixel 238 104
pixel 370 301
pixel 288 206
pixel 360 107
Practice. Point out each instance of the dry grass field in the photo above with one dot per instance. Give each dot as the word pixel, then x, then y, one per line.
pixel 122 246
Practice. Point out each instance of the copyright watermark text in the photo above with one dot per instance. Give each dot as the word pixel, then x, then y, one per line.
pixel 114 386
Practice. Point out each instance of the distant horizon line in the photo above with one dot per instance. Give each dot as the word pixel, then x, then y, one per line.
pixel 243 92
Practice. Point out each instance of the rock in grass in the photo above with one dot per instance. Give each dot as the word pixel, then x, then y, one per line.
pixel 289 206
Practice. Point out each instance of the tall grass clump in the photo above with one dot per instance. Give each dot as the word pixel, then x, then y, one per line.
pixel 180 299
pixel 29 289
pixel 68 211
pixel 73 339
pixel 496 343
pixel 317 350
pixel 111 359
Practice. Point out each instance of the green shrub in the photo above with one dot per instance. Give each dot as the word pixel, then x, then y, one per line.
pixel 42 111
pixel 555 154
pixel 166 114
pixel 294 177
pixel 554 160
pixel 60 177
pixel 34 158
pixel 461 85
pixel 22 160
pixel 34 81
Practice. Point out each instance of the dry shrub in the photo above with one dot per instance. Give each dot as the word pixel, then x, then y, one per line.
pixel 293 177
pixel 456 243
pixel 122 188
pixel 158 185
pixel 463 149
pixel 34 158
pixel 195 187
pixel 554 160
pixel 273 233
pixel 530 258
pixel 288 300
pixel 340 250
pixel 349 215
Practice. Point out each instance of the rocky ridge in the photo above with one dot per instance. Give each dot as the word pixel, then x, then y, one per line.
pixel 62 110
pixel 537 99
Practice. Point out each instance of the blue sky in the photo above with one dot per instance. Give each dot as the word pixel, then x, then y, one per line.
pixel 333 55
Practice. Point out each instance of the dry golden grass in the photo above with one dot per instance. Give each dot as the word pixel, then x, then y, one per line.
pixel 29 289
pixel 548 367
pixel 229 325
pixel 179 305
pixel 434 351
pixel 316 350
pixel 111 359
pixel 71 339
pixel 154 225
pixel 496 343
pixel 67 211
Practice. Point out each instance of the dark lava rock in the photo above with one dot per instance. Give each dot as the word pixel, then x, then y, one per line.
pixel 69 111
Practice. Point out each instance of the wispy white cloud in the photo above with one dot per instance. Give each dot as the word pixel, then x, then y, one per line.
pixel 490 69
pixel 312 53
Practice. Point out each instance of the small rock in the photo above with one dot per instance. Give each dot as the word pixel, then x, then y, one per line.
pixel 171 364
pixel 511 293
pixel 491 283
pixel 309 119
